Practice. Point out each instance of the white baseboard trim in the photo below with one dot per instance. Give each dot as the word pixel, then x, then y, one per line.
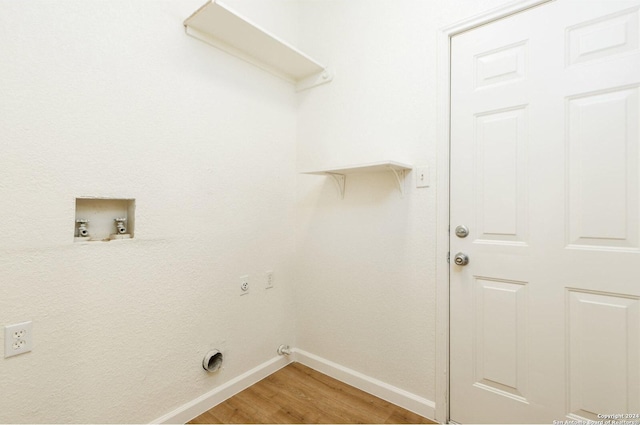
pixel 397 396
pixel 190 410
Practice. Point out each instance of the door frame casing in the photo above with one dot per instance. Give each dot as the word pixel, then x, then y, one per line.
pixel 443 146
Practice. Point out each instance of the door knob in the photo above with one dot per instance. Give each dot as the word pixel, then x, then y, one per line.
pixel 462 231
pixel 461 259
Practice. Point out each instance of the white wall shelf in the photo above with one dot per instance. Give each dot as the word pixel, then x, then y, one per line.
pixel 218 25
pixel 339 174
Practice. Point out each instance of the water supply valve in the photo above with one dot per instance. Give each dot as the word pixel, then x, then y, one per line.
pixel 83 232
pixel 120 225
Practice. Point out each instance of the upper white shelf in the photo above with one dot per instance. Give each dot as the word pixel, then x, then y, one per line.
pixel 222 27
pixel 398 169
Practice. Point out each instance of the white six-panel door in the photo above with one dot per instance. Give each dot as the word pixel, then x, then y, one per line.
pixel 545 172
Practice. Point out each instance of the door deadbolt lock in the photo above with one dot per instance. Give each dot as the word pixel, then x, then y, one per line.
pixel 462 231
pixel 461 259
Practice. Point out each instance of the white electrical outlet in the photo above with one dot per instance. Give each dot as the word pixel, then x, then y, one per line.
pixel 244 285
pixel 18 339
pixel 269 280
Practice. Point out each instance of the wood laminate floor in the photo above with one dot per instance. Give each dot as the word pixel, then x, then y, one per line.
pixel 297 394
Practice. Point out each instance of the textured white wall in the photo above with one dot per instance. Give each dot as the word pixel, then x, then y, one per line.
pixel 112 99
pixel 365 291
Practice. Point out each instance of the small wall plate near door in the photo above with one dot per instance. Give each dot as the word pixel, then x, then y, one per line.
pixel 422 176
pixel 244 285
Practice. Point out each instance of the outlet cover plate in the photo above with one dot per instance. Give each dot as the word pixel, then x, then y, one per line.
pixel 18 339
pixel 244 285
pixel 422 176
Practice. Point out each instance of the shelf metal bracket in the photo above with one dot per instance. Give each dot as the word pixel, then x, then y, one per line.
pixel 341 181
pixel 400 177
